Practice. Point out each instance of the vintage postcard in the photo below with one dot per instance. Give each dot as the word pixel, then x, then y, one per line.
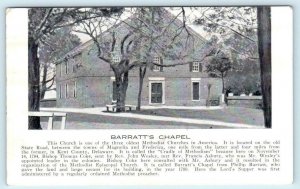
pixel 149 95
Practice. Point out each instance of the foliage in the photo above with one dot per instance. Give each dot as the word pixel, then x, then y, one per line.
pixel 57 45
pixel 227 20
pixel 219 66
pixel 244 78
pixel 52 49
pixel 236 31
pixel 44 22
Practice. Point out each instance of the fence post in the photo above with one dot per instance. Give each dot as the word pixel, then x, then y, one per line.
pixel 63 122
pixel 50 122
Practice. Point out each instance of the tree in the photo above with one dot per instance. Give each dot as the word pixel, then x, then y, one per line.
pixel 252 24
pixel 50 51
pixel 225 21
pixel 43 22
pixel 244 78
pixel 219 66
pixel 264 39
pixel 130 43
pixel 114 50
pixel 142 73
pixel 208 94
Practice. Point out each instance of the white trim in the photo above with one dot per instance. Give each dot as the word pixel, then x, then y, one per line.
pixel 195 80
pixel 112 78
pixel 156 80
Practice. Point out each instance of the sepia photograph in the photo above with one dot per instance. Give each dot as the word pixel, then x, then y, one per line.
pixel 149 68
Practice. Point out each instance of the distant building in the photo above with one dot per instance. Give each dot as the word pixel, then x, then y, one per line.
pixel 83 80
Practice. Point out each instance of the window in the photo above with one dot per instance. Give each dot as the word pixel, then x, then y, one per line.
pixel 60 69
pixel 75 89
pixel 196 67
pixel 67 65
pixel 66 90
pixel 156 90
pixel 116 59
pixel 156 60
pixel 156 93
pixel 73 64
pixel 196 90
pixel 60 92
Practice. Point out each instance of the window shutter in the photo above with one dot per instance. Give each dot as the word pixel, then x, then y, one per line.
pixel 161 62
pixel 191 66
pixel 200 67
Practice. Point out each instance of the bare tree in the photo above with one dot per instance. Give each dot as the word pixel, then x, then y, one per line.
pixel 43 22
pixel 130 43
pixel 219 67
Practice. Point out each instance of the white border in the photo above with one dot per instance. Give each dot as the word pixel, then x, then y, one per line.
pixel 282 97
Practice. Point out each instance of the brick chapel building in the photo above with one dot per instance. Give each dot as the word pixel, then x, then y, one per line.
pixel 83 80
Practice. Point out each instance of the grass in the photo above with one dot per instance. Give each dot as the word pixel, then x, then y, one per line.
pixel 89 121
pixel 227 114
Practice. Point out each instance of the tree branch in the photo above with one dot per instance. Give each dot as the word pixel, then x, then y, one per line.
pixel 232 30
pixel 43 22
pixel 123 41
pixel 113 42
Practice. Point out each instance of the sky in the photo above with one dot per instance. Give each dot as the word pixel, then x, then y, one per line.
pixel 190 14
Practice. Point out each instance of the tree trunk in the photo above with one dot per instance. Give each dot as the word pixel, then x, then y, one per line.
pixel 208 95
pixel 44 82
pixel 223 87
pixel 121 86
pixel 33 83
pixel 141 81
pixel 125 85
pixel 264 49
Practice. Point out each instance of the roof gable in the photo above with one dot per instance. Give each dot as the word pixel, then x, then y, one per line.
pixel 166 18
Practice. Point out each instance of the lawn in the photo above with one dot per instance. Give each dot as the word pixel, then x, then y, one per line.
pixel 90 121
pixel 227 114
